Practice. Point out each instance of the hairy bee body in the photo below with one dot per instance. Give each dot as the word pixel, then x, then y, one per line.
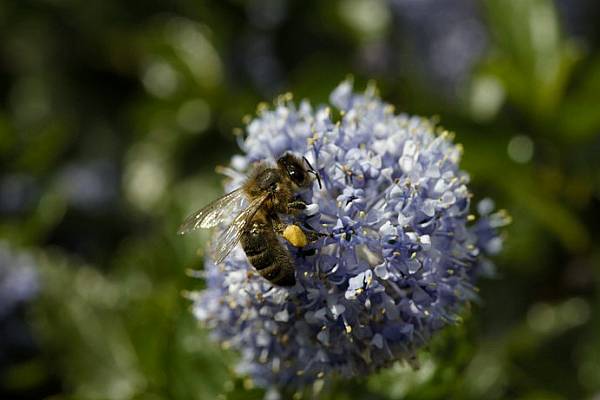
pixel 271 191
pixel 259 239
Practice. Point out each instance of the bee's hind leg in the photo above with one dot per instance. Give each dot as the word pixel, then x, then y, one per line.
pixel 278 226
pixel 311 234
pixel 296 235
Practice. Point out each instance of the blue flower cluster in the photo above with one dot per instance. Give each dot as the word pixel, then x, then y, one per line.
pixel 399 260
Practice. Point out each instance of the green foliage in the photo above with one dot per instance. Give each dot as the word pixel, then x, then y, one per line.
pixel 128 334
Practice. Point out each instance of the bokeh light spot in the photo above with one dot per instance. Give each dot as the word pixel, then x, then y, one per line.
pixel 368 18
pixel 487 96
pixel 520 149
pixel 160 79
pixel 194 116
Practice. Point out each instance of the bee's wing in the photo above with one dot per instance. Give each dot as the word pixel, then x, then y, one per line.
pixel 211 215
pixel 231 236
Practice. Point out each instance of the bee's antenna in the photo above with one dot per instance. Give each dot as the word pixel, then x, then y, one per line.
pixel 318 178
pixel 313 171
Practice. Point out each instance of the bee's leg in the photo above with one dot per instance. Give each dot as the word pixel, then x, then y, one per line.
pixel 278 226
pixel 297 235
pixel 312 236
pixel 296 206
pixel 311 233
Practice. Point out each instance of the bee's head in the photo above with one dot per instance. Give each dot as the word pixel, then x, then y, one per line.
pixel 296 171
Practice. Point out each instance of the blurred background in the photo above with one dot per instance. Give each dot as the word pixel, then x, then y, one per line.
pixel 114 114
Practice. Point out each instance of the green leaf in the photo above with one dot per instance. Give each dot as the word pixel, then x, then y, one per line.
pixel 530 56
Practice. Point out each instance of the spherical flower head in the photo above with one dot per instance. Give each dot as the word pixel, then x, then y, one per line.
pixel 396 260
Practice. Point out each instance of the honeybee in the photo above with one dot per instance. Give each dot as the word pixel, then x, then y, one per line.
pixel 268 192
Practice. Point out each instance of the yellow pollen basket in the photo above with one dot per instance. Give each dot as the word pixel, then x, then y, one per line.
pixel 295 235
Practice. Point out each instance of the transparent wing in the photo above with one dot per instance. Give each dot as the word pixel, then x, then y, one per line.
pixel 231 236
pixel 215 212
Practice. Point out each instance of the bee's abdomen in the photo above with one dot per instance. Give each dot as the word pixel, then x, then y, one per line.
pixel 267 255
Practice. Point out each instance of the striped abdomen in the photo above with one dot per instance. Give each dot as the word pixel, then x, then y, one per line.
pixel 266 254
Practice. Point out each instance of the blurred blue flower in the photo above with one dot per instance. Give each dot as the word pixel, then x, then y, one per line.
pixel 18 278
pixel 90 185
pixel 448 38
pixel 18 194
pixel 18 285
pixel 399 262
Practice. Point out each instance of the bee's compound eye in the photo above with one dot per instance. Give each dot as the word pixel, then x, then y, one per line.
pixel 295 174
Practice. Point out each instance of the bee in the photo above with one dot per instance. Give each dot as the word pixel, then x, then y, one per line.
pixel 268 192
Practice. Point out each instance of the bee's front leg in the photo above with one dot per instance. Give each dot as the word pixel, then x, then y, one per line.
pixel 296 206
